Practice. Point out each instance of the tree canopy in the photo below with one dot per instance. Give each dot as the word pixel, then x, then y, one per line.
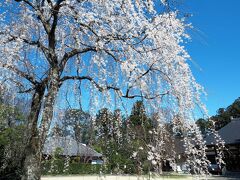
pixel 103 52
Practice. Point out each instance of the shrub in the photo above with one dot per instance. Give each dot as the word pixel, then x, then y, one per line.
pixel 74 168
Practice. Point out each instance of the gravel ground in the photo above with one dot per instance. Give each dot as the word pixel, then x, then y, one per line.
pixel 175 177
pixel 109 177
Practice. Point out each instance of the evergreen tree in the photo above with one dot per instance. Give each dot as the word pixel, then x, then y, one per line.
pixel 12 126
pixel 223 116
pixel 77 124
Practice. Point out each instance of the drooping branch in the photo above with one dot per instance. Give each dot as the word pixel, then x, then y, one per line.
pixel 73 53
pixel 80 78
pixel 26 90
pixel 112 55
pixel 39 14
pixel 32 43
pixel 110 87
pixel 20 73
pixel 145 96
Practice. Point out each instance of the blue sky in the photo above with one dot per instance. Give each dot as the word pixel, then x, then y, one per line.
pixel 215 49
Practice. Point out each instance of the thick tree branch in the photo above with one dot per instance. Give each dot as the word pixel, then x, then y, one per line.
pixel 20 73
pixel 55 13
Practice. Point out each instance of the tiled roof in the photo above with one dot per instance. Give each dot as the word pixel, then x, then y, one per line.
pixel 69 146
pixel 229 133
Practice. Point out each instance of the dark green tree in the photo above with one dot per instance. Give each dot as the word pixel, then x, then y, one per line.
pixel 139 122
pixel 104 124
pixel 77 124
pixel 224 115
pixel 203 125
pixel 12 128
pixel 139 128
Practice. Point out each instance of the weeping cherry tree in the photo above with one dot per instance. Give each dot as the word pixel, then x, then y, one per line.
pixel 114 50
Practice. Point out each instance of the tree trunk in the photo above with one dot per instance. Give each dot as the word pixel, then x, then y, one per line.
pixel 49 106
pixel 30 160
